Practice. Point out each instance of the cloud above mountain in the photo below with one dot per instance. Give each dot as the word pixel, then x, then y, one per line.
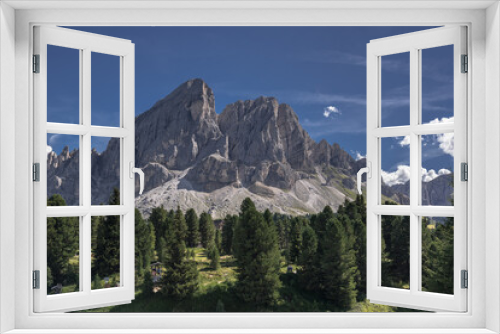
pixel 402 175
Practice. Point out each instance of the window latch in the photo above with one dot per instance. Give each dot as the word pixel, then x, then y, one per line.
pixel 139 171
pixel 368 171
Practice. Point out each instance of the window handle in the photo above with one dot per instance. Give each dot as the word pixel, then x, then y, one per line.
pixel 141 176
pixel 363 170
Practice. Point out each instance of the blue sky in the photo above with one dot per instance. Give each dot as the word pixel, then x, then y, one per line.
pixel 319 71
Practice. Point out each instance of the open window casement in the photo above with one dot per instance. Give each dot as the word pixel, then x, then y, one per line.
pixel 415 45
pixel 52 294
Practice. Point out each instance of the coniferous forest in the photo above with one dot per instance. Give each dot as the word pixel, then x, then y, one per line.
pixel 250 262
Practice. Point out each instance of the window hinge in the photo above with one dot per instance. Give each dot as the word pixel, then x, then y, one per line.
pixel 465 279
pixel 36 63
pixel 36 172
pixel 464 170
pixel 36 279
pixel 465 64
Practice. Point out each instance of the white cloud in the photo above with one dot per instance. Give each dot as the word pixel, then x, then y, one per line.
pixel 331 110
pixel 431 174
pixel 49 149
pixel 400 176
pixel 405 141
pixel 359 156
pixel 446 140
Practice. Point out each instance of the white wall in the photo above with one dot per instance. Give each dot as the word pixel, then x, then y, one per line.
pixel 7 159
pixel 492 165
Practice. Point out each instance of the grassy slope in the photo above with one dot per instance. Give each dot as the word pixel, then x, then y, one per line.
pixel 216 287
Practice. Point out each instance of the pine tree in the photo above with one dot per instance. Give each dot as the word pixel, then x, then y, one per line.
pixel 181 275
pixel 62 243
pixel 308 253
pixel 400 250
pixel 319 223
pixel 147 287
pixel 107 252
pixel 193 230
pixel 227 234
pixel 218 240
pixel 339 266
pixel 258 259
pixel 295 240
pixel 142 244
pixel 159 220
pixel 214 258
pixel 207 231
pixel 438 274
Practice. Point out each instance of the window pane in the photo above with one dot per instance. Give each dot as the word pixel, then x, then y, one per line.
pixel 437 169
pixel 105 90
pixel 437 84
pixel 395 91
pixel 63 85
pixel 105 184
pixel 63 168
pixel 395 174
pixel 396 251
pixel 437 254
pixel 105 252
pixel 63 265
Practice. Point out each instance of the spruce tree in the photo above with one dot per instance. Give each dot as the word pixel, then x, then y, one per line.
pixel 107 252
pixel 218 240
pixel 319 223
pixel 181 275
pixel 339 266
pixel 193 230
pixel 214 258
pixel 147 286
pixel 62 243
pixel 227 233
pixel 258 259
pixel 295 240
pixel 438 273
pixel 207 231
pixel 159 220
pixel 142 244
pixel 308 254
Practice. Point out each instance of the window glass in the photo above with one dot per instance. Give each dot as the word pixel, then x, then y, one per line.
pixel 437 254
pixel 396 251
pixel 395 92
pixel 437 169
pixel 395 173
pixel 437 84
pixel 105 252
pixel 105 90
pixel 106 157
pixel 63 168
pixel 63 85
pixel 63 263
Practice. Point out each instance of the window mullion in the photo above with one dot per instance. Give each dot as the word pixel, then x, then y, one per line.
pixel 86 170
pixel 415 171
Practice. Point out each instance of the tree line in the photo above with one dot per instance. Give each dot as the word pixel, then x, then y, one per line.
pixel 326 251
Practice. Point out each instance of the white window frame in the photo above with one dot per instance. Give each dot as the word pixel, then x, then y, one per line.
pixel 414 43
pixel 85 44
pixel 483 21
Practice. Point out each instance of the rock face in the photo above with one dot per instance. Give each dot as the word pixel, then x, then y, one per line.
pixel 193 157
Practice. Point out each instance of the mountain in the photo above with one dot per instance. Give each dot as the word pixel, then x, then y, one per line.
pixel 194 157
